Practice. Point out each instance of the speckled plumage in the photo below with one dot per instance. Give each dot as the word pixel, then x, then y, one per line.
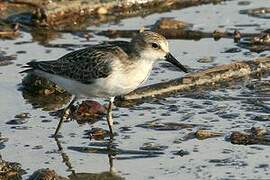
pixel 106 70
pixel 83 65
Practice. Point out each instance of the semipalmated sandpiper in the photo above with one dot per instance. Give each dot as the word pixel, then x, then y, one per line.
pixel 106 70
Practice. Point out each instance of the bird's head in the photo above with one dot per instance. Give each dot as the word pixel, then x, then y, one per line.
pixel 154 47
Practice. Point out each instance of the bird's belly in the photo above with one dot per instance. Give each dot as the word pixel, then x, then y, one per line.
pixel 124 78
pixel 120 83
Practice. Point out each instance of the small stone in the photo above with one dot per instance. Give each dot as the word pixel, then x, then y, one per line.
pixel 206 59
pixel 46 120
pixel 19 127
pixel 35 85
pixel 263 166
pixel 21 52
pixel 255 135
pixel 232 50
pixel 102 11
pixel 241 138
pixel 263 38
pixel 38 147
pixel 217 35
pixel 16 122
pixel 168 126
pixel 243 3
pixel 262 118
pixel 98 133
pixel 153 147
pixel 45 174
pixel 87 36
pixel 6 60
pixel 236 36
pixel 169 23
pixel 10 170
pixel 89 111
pixel 181 153
pixel 2 141
pixel 22 115
pixel 47 92
pixel 204 134
pixel 261 12
pixel 259 131
pixel 187 80
pixel 125 129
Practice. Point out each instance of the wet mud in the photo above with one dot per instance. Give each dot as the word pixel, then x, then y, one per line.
pixel 263 12
pixel 61 15
pixel 6 59
pixel 10 170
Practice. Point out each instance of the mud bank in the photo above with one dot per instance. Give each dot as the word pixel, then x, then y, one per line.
pixel 60 14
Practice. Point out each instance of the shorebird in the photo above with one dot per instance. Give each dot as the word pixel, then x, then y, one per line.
pixel 106 70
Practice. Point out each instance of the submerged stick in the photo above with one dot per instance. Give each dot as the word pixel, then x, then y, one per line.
pixel 204 78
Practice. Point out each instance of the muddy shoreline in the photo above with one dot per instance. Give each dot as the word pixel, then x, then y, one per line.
pixel 60 15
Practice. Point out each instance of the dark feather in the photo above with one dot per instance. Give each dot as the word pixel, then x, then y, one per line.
pixel 84 65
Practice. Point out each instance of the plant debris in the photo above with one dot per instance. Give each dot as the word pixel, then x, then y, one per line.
pixel 253 136
pixel 10 170
pixel 45 174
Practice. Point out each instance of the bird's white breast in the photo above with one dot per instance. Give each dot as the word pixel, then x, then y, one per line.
pixel 124 80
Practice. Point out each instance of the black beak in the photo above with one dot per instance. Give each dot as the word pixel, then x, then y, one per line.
pixel 169 57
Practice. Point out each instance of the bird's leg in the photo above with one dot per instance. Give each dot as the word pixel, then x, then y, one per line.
pixel 109 117
pixel 65 111
pixel 64 156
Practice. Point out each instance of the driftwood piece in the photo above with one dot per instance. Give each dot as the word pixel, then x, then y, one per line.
pixel 204 78
pixel 8 31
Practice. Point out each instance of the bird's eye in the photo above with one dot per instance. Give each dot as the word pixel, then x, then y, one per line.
pixel 155 45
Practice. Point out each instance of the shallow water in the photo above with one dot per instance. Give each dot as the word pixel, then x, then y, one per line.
pixel 223 110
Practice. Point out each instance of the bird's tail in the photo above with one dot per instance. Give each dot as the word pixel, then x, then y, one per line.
pixel 30 66
pixel 26 70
